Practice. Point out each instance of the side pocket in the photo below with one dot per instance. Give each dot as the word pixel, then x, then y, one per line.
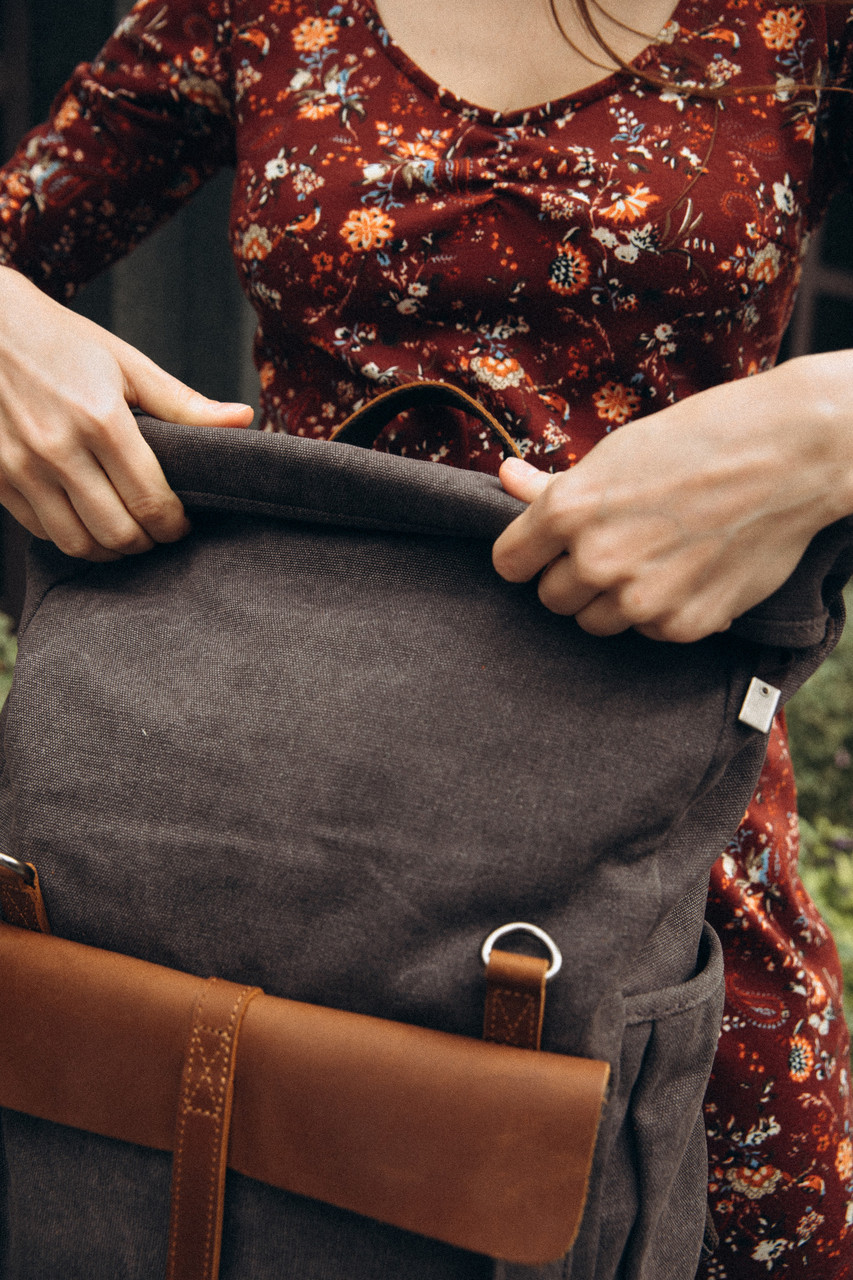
pixel 652 1209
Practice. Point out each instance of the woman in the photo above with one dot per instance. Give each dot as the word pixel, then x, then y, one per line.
pixel 580 265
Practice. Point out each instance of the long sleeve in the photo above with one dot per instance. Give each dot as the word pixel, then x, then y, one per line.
pixel 129 139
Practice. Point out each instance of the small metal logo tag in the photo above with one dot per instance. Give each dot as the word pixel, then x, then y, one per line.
pixel 759 705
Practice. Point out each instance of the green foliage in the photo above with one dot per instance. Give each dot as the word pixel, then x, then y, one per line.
pixel 8 653
pixel 820 719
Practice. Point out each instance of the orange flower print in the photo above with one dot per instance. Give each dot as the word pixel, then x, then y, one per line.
pixel 780 28
pixel 256 244
pixel 15 186
pixel 367 229
pixel 266 374
pixel 800 1059
pixel 844 1159
pixel 804 129
pixel 754 1183
pixel 631 206
pixel 417 151
pixel 765 265
pixel 569 272
pixel 314 34
pixel 614 402
pixel 498 374
pixel 319 109
pixel 258 38
pixel 67 113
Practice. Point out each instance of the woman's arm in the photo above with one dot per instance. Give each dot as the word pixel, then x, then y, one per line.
pixel 73 465
pixel 130 138
pixel 678 523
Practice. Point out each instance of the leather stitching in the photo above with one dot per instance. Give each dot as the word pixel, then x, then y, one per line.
pixel 207 1069
pixel 511 1017
pixel 20 904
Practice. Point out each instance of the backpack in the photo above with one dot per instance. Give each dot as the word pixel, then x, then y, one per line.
pixel 320 748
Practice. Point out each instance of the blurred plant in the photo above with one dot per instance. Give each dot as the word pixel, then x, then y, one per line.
pixel 820 719
pixel 826 867
pixel 8 653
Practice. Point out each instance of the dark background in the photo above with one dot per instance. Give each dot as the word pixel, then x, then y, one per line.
pixel 177 298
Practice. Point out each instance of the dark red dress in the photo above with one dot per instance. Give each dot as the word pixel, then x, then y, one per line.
pixel 575 265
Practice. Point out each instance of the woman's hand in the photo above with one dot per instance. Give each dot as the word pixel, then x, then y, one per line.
pixel 73 465
pixel 678 523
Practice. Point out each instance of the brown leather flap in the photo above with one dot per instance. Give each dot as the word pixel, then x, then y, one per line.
pixel 484 1146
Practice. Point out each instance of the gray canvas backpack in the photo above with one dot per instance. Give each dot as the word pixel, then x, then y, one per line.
pixel 320 747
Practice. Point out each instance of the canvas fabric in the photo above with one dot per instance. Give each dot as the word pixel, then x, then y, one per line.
pixel 320 747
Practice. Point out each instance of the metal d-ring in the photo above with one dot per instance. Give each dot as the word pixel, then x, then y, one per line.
pixel 520 926
pixel 17 868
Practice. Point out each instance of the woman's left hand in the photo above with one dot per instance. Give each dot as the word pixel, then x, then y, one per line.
pixel 679 522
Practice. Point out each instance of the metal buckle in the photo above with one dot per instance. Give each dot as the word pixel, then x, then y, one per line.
pixel 519 926
pixel 10 866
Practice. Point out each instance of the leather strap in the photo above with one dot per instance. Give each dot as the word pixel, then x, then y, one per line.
pixel 363 426
pixel 20 896
pixel 515 999
pixel 479 1145
pixel 201 1135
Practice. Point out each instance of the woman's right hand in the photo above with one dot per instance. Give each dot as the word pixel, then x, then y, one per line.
pixel 74 467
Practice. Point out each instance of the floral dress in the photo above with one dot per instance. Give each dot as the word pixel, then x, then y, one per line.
pixel 575 266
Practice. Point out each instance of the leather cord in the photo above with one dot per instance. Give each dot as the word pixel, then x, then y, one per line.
pixel 201 1136
pixel 515 999
pixel 364 426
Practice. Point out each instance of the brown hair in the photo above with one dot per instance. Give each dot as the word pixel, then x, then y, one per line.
pixel 690 87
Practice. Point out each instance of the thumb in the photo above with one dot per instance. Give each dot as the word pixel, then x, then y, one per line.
pixel 152 389
pixel 523 481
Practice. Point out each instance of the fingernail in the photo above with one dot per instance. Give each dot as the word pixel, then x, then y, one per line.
pixel 519 466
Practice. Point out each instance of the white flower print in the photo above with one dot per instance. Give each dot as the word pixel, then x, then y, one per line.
pixel 664 334
pixel 783 196
pixel 244 79
pixel 767 1127
pixel 276 168
pixel 605 237
pixel 672 95
pixel 305 180
pixel 769 1250
pixel 584 160
pixel 722 70
pixel 645 238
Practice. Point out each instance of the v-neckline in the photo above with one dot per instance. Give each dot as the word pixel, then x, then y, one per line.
pixel 556 107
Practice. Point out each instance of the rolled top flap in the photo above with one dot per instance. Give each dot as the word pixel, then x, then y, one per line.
pixel 483 1146
pixel 797 613
pixel 289 477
